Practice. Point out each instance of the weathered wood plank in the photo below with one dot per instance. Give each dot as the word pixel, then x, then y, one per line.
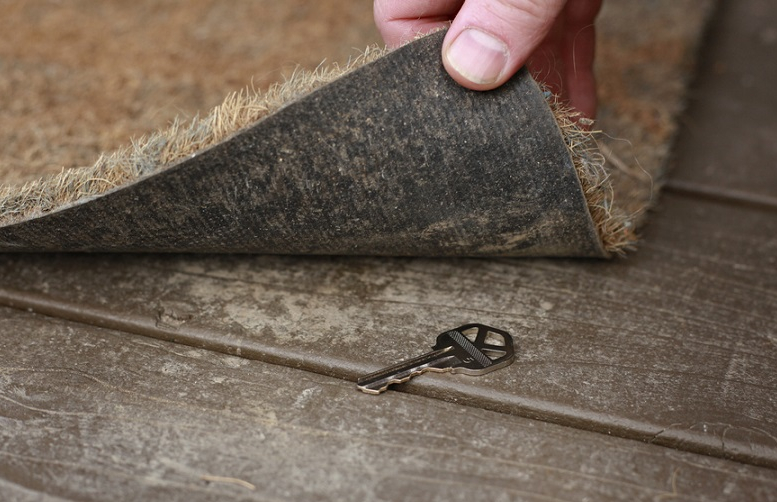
pixel 728 145
pixel 676 345
pixel 92 414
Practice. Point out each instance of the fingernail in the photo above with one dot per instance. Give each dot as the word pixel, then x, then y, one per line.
pixel 478 56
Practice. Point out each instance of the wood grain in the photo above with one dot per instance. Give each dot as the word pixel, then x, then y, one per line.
pixel 674 346
pixel 92 414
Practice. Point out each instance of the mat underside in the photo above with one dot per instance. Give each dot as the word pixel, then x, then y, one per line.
pixel 391 159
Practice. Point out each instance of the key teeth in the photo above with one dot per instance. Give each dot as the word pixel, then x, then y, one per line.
pixel 375 392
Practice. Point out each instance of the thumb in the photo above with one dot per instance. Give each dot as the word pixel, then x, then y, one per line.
pixel 489 40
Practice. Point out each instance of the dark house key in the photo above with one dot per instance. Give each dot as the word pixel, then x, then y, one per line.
pixel 472 349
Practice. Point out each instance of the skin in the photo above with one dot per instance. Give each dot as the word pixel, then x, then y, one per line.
pixel 489 40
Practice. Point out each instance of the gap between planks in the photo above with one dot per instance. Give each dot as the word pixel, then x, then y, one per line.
pixel 247 427
pixel 720 194
pixel 442 389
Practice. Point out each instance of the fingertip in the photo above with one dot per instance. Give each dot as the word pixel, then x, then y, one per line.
pixel 489 41
pixel 476 59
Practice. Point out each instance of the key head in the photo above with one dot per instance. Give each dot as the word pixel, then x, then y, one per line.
pixel 473 349
pixel 480 349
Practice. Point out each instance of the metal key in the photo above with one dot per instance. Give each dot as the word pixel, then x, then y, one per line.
pixel 454 352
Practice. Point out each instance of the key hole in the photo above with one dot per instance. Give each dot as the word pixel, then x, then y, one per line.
pixel 493 354
pixel 470 333
pixel 495 339
pixel 491 337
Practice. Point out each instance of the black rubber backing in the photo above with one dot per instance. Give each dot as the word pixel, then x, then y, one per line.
pixel 394 158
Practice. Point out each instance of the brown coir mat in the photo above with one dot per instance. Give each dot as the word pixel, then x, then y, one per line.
pixel 382 155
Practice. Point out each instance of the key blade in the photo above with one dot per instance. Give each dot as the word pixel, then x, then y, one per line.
pixel 440 360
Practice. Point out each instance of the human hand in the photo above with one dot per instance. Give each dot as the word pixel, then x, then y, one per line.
pixel 489 40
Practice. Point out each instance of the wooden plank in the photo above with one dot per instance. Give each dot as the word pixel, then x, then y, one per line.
pixel 675 345
pixel 728 145
pixel 92 414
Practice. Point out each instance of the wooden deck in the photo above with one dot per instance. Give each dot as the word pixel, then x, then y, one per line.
pixel 653 377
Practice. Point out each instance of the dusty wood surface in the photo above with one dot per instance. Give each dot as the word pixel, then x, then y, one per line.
pixel 674 346
pixel 85 412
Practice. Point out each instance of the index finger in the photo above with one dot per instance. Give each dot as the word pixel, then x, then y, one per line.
pixel 400 21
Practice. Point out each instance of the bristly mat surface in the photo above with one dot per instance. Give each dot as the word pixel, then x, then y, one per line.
pixel 80 79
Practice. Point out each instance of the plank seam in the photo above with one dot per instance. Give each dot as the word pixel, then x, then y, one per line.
pixel 722 195
pixel 441 389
